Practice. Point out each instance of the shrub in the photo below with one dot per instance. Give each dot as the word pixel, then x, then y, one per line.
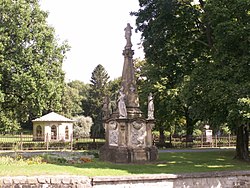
pixel 82 126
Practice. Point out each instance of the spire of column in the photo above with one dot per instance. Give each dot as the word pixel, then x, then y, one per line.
pixel 128 74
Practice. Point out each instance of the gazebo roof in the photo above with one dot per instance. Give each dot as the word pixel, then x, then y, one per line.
pixel 52 117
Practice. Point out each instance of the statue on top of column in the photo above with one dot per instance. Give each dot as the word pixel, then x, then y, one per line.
pixel 128 34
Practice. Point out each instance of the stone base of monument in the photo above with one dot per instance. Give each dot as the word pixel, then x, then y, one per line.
pixel 128 155
pixel 128 141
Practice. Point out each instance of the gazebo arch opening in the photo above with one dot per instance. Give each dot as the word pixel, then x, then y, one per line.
pixel 39 132
pixel 53 132
pixel 67 133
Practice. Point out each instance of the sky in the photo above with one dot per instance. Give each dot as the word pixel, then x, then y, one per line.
pixel 95 31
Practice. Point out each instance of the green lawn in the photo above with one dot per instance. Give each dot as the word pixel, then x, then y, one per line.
pixel 174 162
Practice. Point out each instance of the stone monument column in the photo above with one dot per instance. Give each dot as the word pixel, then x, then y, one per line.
pixel 128 76
pixel 128 133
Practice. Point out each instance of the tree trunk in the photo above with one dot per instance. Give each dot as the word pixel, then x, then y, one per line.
pixel 170 139
pixel 189 126
pixel 162 136
pixel 242 151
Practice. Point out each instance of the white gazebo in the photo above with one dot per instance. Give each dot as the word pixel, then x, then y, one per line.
pixel 53 127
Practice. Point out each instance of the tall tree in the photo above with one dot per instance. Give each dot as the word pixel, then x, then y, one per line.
pixel 221 87
pixel 173 40
pixel 113 88
pixel 31 59
pixel 205 48
pixel 71 102
pixel 98 91
pixel 75 93
pixel 80 86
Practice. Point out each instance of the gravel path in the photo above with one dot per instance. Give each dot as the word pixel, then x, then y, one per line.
pixel 31 153
pixel 195 150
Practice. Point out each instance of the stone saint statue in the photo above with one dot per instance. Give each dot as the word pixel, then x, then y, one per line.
pixel 128 34
pixel 121 104
pixel 106 108
pixel 150 106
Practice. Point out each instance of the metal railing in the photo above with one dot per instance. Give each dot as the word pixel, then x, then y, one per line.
pixel 198 142
pixel 29 142
pixel 45 142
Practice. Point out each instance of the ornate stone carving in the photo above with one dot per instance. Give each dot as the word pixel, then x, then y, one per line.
pixel 132 88
pixel 113 138
pixel 121 104
pixel 151 125
pixel 128 34
pixel 137 125
pixel 106 108
pixel 113 133
pixel 112 125
pixel 138 133
pixel 150 106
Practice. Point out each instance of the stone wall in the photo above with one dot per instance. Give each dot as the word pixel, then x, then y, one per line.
pixel 45 182
pixel 237 179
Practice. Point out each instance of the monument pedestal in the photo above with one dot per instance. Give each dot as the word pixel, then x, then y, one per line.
pixel 128 141
pixel 128 155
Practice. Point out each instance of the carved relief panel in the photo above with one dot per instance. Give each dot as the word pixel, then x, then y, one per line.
pixel 113 133
pixel 138 133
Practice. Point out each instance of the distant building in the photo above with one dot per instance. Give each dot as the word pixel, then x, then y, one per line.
pixel 53 127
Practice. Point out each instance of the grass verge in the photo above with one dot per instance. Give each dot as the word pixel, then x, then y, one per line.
pixel 171 162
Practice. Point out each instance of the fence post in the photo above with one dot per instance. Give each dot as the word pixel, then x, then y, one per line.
pixel 216 141
pixel 202 140
pixel 47 141
pixel 71 142
pixel 21 141
pixel 212 142
pixel 229 140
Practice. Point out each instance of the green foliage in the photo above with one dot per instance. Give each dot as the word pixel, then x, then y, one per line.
pixel 156 134
pixel 80 86
pixel 113 88
pixel 197 132
pixel 244 105
pixel 218 86
pixel 173 41
pixel 72 100
pixel 8 123
pixel 98 91
pixel 225 130
pixel 197 61
pixel 32 79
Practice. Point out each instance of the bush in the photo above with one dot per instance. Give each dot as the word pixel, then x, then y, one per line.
pixel 87 145
pixel 82 126
pixel 197 132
